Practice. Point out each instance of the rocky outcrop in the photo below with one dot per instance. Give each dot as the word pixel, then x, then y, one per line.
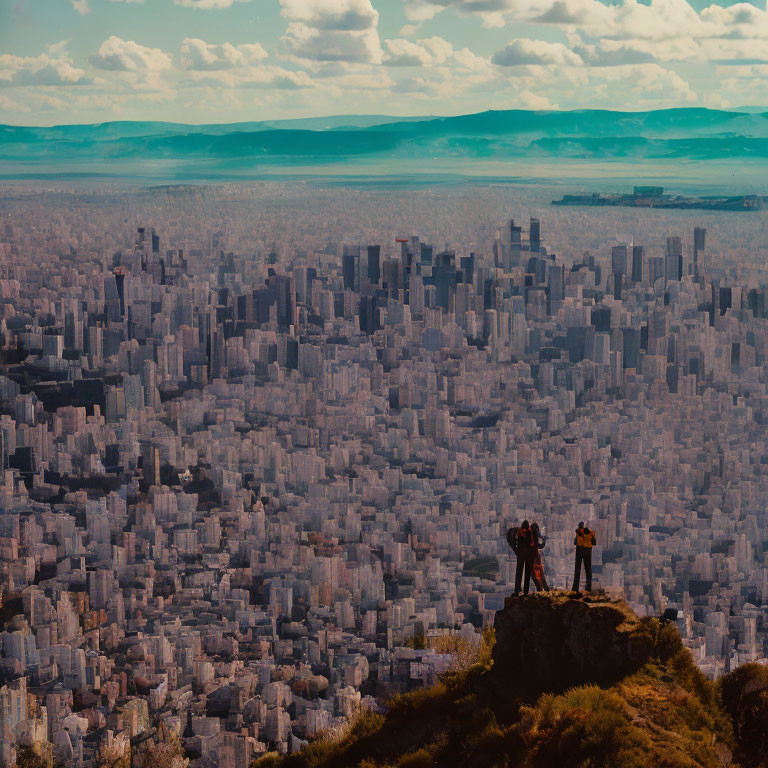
pixel 582 652
pixel 554 641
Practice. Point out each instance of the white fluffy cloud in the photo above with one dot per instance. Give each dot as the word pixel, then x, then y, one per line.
pixel 423 53
pixel 342 31
pixel 199 55
pixel 51 68
pixel 524 51
pixel 529 100
pixel 118 55
pixel 236 66
pixel 608 53
pixel 626 19
pixel 306 42
pixel 349 15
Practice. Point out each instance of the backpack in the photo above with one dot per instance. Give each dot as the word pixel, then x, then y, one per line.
pixel 512 538
pixel 523 541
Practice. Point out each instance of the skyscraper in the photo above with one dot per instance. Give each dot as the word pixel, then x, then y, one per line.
pixel 699 244
pixel 673 259
pixel 349 266
pixel 535 235
pixel 619 259
pixel 374 264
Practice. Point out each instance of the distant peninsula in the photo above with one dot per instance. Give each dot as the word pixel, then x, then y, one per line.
pixel 654 197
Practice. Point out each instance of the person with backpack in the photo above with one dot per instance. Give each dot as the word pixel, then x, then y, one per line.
pixel 584 541
pixel 521 541
pixel 538 574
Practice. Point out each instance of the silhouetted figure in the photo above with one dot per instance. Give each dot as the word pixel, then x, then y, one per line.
pixel 584 541
pixel 521 541
pixel 539 542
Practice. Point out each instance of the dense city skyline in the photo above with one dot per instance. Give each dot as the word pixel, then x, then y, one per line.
pixel 261 444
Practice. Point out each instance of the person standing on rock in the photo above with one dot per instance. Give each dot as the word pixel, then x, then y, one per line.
pixel 538 574
pixel 584 541
pixel 521 541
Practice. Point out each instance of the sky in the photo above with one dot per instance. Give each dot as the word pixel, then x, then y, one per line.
pixel 221 61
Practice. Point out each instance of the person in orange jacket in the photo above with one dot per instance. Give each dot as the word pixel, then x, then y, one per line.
pixel 585 539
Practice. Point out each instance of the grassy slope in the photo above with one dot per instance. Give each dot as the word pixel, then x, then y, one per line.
pixel 666 714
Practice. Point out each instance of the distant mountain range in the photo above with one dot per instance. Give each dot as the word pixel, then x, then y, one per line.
pixel 516 136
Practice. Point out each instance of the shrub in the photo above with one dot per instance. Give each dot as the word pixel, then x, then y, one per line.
pixel 744 693
pixel 419 759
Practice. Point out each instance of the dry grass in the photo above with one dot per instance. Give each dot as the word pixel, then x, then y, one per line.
pixel 667 714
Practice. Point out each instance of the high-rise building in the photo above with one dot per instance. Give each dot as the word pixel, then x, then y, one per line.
pixel 391 272
pixel 619 260
pixel 535 236
pixel 445 277
pixel 426 254
pixel 673 259
pixel 699 244
pixel 638 256
pixel 349 266
pixel 699 240
pixel 655 268
pixel 374 264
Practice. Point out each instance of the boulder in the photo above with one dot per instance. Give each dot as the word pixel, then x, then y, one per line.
pixel 553 641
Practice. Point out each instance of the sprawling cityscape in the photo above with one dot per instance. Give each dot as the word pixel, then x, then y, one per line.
pixel 261 445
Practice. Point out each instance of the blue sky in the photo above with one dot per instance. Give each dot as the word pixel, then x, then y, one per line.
pixel 82 61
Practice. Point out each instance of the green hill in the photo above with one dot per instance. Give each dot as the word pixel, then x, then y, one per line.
pixel 567 683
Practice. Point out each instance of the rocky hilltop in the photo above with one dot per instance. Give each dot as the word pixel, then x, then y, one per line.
pixel 551 644
pixel 566 682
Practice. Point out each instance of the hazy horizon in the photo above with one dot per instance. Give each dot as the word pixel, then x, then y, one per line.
pixel 698 149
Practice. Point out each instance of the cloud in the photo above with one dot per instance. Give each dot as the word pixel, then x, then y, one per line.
pixel 492 12
pixel 81 6
pixel 240 66
pixel 639 86
pixel 52 68
pixel 524 51
pixel 363 81
pixel 471 62
pixel 262 76
pixel 317 45
pixel 736 52
pixel 343 31
pixel 613 53
pixel 207 5
pixel 277 77
pixel 339 15
pixel 118 55
pixel 436 83
pixel 199 55
pixel 9 105
pixel 740 21
pixel 622 19
pixel 424 53
pixel 528 100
